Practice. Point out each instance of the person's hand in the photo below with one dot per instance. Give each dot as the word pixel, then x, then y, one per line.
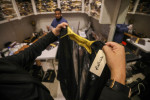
pixel 115 58
pixel 56 30
pixel 130 27
pixel 47 28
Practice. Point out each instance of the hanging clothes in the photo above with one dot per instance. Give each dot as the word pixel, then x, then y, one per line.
pixel 92 86
pixel 66 73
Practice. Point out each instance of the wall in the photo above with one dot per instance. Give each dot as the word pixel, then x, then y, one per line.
pixel 16 30
pixel 73 20
pixel 100 29
pixel 141 23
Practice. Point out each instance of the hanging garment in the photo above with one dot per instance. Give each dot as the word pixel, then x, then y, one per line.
pixel 66 73
pixel 92 85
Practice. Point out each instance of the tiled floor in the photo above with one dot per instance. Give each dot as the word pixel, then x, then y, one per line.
pixel 54 88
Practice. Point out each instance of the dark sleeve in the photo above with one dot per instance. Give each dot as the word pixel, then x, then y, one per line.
pixel 110 94
pixel 30 53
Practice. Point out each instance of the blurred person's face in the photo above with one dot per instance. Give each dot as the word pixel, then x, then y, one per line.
pixel 57 14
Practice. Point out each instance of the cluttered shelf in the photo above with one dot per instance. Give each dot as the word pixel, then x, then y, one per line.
pixel 139 7
pixel 22 9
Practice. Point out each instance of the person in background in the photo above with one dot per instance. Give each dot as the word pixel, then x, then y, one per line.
pixel 120 30
pixel 57 20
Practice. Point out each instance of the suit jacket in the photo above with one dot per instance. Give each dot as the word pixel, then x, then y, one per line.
pixel 15 81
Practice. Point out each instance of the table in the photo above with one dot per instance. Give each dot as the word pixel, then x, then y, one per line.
pixel 49 55
pixel 145 48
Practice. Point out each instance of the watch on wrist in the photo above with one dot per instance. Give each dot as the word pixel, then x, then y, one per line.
pixel 116 86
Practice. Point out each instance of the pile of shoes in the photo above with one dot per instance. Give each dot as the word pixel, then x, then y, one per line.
pixel 86 5
pixel 70 5
pixel 131 5
pixel 76 5
pixel 25 7
pixel 49 76
pixel 95 8
pixel 144 7
pixel 65 5
pixel 46 5
pixel 6 10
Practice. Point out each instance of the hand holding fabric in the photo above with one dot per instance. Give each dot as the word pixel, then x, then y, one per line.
pixel 115 58
pixel 56 30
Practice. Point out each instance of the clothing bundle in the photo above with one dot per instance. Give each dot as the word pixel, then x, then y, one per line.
pixel 77 82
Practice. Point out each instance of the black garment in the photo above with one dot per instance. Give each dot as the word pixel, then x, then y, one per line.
pixel 93 85
pixel 15 81
pixel 66 74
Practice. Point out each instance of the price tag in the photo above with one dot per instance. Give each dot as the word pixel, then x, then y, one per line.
pixel 98 63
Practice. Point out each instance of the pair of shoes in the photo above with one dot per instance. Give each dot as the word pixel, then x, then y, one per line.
pixel 49 76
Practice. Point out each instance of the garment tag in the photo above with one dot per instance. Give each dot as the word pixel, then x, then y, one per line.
pixel 98 63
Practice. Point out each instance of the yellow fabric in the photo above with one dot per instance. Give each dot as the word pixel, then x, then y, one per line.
pixel 137 40
pixel 79 40
pixel 53 45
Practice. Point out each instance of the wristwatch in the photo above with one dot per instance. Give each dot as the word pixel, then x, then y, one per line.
pixel 116 86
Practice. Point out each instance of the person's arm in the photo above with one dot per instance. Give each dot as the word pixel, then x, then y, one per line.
pixel 115 58
pixel 30 53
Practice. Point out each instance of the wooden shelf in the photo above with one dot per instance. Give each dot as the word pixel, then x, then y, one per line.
pixel 95 17
pixel 106 13
pixel 138 13
pixel 45 12
pixel 8 20
pixel 72 12
pixel 26 16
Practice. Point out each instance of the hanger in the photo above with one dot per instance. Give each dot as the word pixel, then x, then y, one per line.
pixel 78 39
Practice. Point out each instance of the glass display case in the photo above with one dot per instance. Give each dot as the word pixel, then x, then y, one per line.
pixel 24 7
pixel 95 8
pixel 6 10
pixel 71 5
pixel 46 5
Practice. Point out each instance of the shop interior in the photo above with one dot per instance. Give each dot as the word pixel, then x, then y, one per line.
pixel 23 22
